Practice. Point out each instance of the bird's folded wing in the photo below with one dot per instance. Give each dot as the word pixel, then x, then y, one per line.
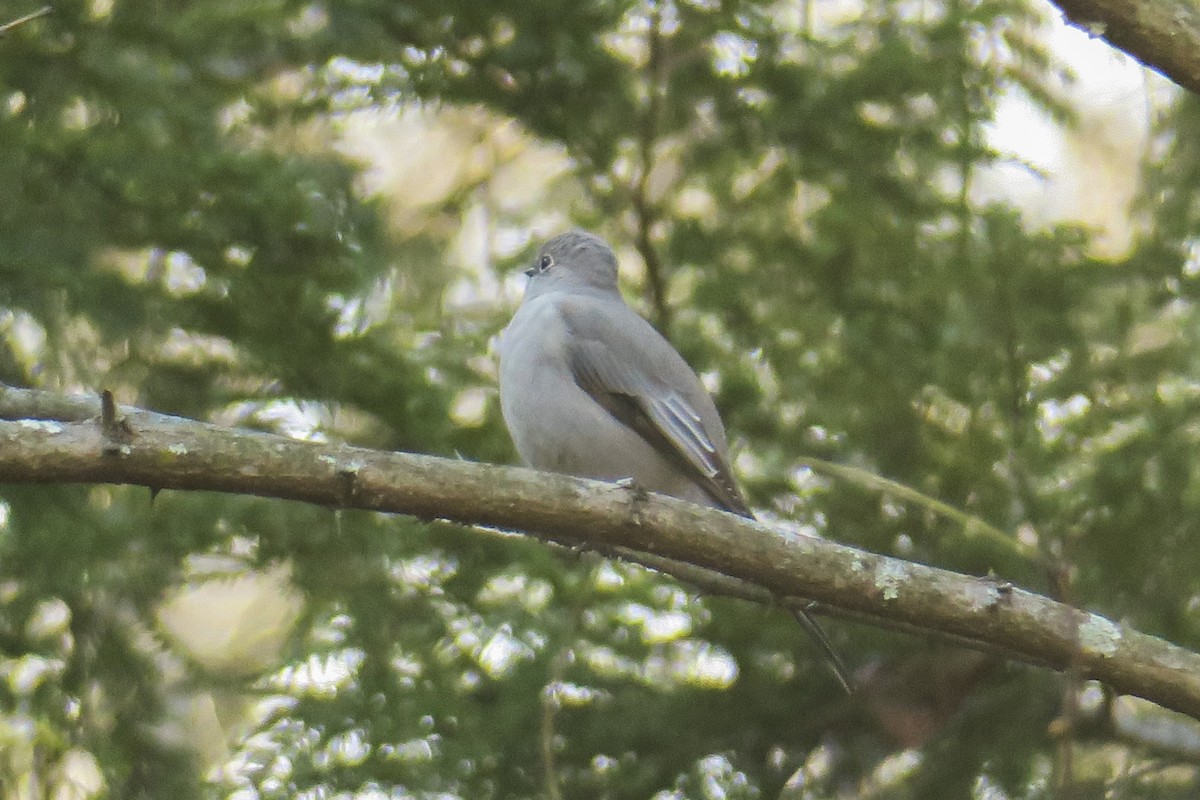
pixel 662 417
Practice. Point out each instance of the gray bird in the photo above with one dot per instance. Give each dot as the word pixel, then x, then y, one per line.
pixel 589 388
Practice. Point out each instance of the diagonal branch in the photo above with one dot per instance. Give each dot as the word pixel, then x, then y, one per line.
pixel 643 206
pixel 1162 34
pixel 8 26
pixel 48 438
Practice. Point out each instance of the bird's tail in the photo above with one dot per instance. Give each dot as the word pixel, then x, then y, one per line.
pixel 832 659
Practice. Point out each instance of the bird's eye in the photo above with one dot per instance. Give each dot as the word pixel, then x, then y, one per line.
pixel 545 263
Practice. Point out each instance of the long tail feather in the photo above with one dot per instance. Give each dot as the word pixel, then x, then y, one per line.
pixel 832 659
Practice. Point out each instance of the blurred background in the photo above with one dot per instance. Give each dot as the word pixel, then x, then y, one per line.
pixel 948 242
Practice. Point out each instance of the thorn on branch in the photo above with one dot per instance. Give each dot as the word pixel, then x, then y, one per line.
pixel 116 430
pixel 347 478
pixel 637 496
pixel 1004 593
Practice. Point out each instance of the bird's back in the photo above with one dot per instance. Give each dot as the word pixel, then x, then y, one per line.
pixel 558 425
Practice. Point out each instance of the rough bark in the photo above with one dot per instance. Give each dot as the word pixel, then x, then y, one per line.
pixel 46 438
pixel 1162 34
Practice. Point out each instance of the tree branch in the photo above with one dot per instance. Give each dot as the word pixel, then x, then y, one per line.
pixel 47 438
pixel 1162 34
pixel 8 26
pixel 643 207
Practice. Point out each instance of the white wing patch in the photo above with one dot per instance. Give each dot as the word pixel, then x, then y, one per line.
pixel 685 429
pixel 631 392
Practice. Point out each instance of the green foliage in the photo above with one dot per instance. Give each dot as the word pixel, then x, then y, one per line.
pixel 178 224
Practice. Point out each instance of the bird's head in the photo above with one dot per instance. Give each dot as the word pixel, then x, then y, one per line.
pixel 576 260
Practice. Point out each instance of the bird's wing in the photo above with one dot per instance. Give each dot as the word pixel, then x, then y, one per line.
pixel 621 367
pixel 638 377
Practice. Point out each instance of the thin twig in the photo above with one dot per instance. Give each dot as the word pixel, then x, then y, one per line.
pixel 550 705
pixel 8 26
pixel 970 524
pixel 647 136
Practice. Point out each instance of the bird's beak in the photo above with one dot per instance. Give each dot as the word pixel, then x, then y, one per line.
pixel 531 271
